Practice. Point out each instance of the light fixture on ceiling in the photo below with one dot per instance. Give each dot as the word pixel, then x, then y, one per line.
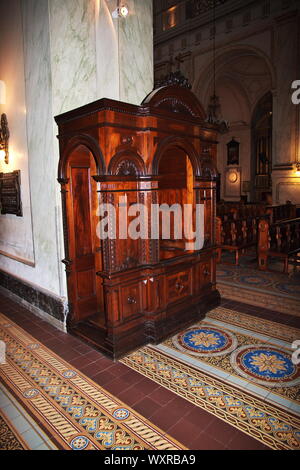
pixel 4 137
pixel 214 107
pixel 121 11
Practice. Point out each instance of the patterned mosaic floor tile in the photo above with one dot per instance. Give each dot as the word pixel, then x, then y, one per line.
pixel 75 411
pixel 10 439
pixel 273 290
pixel 238 368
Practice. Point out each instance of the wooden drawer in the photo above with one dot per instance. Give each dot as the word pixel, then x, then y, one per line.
pixel 131 300
pixel 178 286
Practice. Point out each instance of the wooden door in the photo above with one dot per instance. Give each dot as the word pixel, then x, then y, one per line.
pixel 85 295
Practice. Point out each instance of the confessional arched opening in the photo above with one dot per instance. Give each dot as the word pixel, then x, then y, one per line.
pixel 176 189
pixel 84 247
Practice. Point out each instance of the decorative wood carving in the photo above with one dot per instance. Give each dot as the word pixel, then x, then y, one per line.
pixel 195 8
pixel 173 78
pixel 127 163
pixel 175 99
pixel 126 168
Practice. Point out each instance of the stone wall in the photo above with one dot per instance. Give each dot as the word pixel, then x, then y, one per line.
pixel 257 51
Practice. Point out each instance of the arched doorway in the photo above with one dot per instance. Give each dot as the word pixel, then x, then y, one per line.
pixel 261 152
pixel 176 187
pixel 243 75
pixel 83 250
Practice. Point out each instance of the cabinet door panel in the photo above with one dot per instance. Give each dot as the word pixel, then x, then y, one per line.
pixel 130 297
pixel 179 285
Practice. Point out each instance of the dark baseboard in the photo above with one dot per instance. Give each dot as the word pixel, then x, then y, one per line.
pixel 50 304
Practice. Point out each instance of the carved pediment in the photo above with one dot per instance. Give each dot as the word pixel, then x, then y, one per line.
pixel 176 106
pixel 176 99
pixel 173 78
pixel 127 168
pixel 127 163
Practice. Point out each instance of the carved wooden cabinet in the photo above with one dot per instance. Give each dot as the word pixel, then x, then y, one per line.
pixel 124 292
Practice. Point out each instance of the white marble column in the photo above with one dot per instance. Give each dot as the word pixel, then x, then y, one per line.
pixel 286 184
pixel 16 235
pixel 136 52
pixel 287 71
pixel 39 116
pixel 124 49
pixel 74 53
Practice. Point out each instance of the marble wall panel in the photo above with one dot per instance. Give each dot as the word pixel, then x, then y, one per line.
pixel 16 237
pixel 74 53
pixel 136 52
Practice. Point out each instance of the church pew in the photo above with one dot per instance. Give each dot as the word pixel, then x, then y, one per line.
pixel 282 212
pixel 238 210
pixel 236 235
pixel 280 240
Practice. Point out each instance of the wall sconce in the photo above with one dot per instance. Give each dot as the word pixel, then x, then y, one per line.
pixel 297 169
pixel 170 18
pixel 121 11
pixel 4 137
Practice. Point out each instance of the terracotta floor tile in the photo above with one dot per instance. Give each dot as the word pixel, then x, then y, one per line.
pixel 205 442
pixel 183 405
pixel 147 386
pixel 104 363
pixel 132 377
pixel 146 407
pixel 162 396
pixel 41 336
pixel 167 417
pixel 78 362
pixel 91 356
pixel 103 378
pixel 200 417
pixel 83 348
pixel 91 369
pixel 69 354
pixel 221 431
pixel 119 370
pixel 194 427
pixel 55 344
pixel 116 385
pixel 243 442
pixel 130 396
pixel 184 431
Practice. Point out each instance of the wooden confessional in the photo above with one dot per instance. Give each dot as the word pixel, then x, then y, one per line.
pixel 124 293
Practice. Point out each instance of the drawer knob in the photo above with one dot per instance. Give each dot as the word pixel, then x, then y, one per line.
pixel 179 286
pixel 131 300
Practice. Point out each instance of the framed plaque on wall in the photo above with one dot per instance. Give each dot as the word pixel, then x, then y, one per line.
pixel 233 152
pixel 10 193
